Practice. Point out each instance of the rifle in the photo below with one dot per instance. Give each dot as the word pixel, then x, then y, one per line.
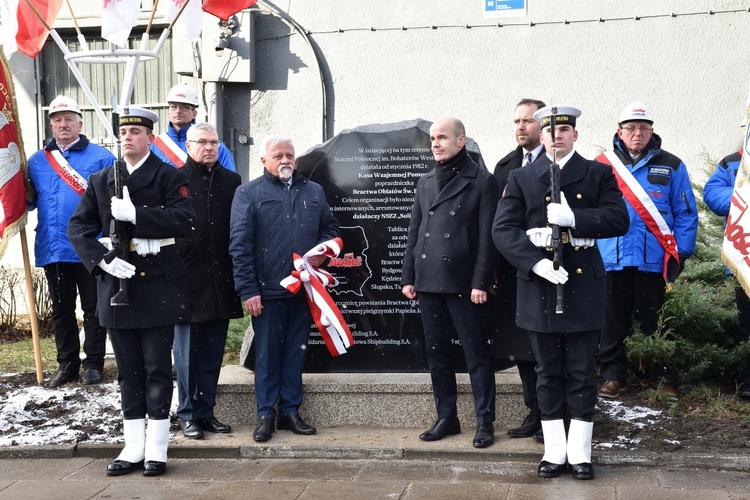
pixel 119 232
pixel 557 243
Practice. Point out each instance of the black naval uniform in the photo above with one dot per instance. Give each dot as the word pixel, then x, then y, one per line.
pixel 593 195
pixel 142 332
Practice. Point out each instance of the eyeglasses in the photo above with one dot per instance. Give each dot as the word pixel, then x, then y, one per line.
pixel 185 107
pixel 203 142
pixel 644 129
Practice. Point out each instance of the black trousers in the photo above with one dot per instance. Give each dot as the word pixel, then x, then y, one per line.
pixel 65 281
pixel 527 372
pixel 444 315
pixel 566 373
pixel 632 295
pixel 144 370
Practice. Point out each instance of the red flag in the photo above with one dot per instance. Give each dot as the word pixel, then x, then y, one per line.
pixel 224 9
pixel 31 31
pixel 12 162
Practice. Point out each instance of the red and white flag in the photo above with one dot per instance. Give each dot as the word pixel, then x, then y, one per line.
pixel 31 31
pixel 224 9
pixel 190 23
pixel 12 162
pixel 735 249
pixel 118 18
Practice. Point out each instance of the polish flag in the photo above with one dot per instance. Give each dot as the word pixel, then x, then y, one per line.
pixel 118 18
pixel 224 9
pixel 190 23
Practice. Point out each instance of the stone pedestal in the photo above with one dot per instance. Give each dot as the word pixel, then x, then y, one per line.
pixel 379 399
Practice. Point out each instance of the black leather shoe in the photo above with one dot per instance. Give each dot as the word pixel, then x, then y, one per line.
pixel 91 376
pixel 191 429
pixel 121 467
pixel 550 470
pixel 62 377
pixel 443 427
pixel 582 471
pixel 213 425
pixel 293 422
pixel 151 468
pixel 263 430
pixel 531 424
pixel 485 436
pixel 539 436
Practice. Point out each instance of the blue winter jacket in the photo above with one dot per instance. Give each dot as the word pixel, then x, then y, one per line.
pixel 717 193
pixel 56 200
pixel 180 138
pixel 665 178
pixel 268 224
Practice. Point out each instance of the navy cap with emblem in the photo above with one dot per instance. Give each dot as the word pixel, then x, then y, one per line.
pixel 134 115
pixel 564 115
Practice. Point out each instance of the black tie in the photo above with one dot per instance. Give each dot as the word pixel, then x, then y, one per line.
pixel 528 157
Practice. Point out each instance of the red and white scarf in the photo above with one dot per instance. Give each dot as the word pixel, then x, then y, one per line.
pixel 325 312
pixel 644 207
pixel 66 172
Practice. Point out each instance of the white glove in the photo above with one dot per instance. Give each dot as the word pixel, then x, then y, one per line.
pixel 145 246
pixel 581 242
pixel 106 242
pixel 123 209
pixel 560 213
pixel 118 268
pixel 545 268
pixel 540 236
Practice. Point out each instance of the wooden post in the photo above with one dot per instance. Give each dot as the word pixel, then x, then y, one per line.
pixel 32 308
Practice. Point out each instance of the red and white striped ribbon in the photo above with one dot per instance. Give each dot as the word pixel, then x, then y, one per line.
pixel 325 312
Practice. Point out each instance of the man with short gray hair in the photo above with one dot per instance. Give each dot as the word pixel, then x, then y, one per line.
pixel 199 345
pixel 59 174
pixel 274 216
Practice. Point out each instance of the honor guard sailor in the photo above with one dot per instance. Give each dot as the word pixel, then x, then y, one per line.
pixel 564 344
pixel 155 208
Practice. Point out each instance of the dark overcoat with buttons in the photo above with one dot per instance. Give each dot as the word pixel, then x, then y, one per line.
pixel 449 248
pixel 592 193
pixel 159 290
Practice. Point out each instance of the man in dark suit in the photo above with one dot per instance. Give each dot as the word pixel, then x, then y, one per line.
pixel 199 349
pixel 564 343
pixel 154 209
pixel 511 341
pixel 448 264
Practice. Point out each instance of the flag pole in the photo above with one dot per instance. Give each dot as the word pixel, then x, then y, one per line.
pixel 31 300
pixel 132 65
pixel 81 37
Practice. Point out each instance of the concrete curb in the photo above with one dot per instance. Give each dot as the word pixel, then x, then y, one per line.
pixel 500 452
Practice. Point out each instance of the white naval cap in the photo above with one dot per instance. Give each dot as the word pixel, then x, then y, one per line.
pixel 134 115
pixel 636 111
pixel 564 115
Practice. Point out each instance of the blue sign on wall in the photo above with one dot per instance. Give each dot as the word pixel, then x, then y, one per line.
pixel 504 8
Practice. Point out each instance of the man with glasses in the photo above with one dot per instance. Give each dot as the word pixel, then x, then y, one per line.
pixel 199 347
pixel 171 146
pixel 643 264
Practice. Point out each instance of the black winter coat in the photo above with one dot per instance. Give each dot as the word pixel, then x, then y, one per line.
pixel 592 193
pixel 158 291
pixel 449 248
pixel 206 250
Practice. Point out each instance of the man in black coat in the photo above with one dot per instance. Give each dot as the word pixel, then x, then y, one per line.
pixel 199 349
pixel 564 344
pixel 448 264
pixel 511 341
pixel 154 209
